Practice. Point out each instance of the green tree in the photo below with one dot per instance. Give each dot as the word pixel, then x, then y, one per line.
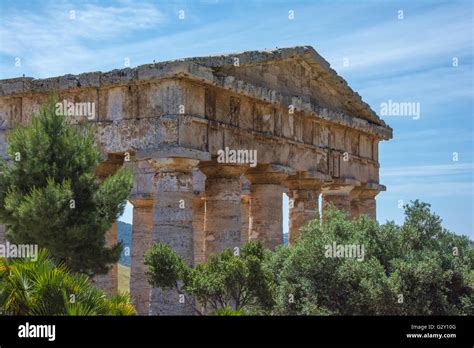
pixel 228 312
pixel 418 268
pixel 227 284
pixel 44 287
pixel 49 195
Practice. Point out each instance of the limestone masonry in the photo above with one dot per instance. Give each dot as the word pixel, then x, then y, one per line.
pixel 169 121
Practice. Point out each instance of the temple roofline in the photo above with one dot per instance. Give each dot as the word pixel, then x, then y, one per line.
pixel 204 68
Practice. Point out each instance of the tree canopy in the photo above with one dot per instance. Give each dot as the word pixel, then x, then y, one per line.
pixel 418 268
pixel 49 194
pixel 226 283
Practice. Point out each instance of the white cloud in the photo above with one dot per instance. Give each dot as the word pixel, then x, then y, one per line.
pixel 50 42
pixel 434 189
pixel 414 172
pixel 440 180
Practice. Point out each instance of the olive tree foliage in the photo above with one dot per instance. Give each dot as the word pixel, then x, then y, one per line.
pixel 227 284
pixel 418 268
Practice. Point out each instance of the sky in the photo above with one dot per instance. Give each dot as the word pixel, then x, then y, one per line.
pixel 401 51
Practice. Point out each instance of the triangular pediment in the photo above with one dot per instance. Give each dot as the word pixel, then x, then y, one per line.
pixel 297 71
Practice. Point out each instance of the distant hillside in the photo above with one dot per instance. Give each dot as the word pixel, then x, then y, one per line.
pixel 125 235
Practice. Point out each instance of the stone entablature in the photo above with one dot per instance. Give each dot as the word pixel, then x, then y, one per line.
pixel 313 135
pixel 289 139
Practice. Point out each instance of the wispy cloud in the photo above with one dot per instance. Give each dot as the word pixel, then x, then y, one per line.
pixel 64 35
pixel 434 189
pixel 428 181
pixel 437 135
pixel 414 39
pixel 414 172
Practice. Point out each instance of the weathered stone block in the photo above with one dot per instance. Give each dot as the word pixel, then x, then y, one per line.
pixel 31 105
pixel 10 112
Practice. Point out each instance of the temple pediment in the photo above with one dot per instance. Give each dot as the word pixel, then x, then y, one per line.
pixel 296 71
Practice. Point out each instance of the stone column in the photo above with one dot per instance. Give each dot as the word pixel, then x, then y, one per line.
pixel 109 282
pixel 367 203
pixel 338 194
pixel 173 224
pixel 304 205
pixel 245 214
pixel 198 229
pixel 355 204
pixel 2 234
pixel 141 196
pixel 223 222
pixel 266 210
pixel 141 241
pixel 363 200
pixel 245 209
pixel 199 180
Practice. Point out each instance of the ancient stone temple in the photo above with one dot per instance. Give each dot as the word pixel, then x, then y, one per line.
pixel 214 142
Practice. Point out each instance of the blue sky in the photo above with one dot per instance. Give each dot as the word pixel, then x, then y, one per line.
pixel 403 60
